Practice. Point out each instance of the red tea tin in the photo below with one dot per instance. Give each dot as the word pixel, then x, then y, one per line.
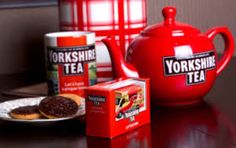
pixel 117 107
pixel 71 61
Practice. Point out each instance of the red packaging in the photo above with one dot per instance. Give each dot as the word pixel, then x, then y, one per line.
pixel 71 61
pixel 116 107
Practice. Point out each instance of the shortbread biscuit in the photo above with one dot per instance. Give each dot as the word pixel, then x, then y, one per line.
pixel 26 113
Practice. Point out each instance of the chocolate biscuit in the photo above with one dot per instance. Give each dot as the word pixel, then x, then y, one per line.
pixel 26 112
pixel 58 107
pixel 74 97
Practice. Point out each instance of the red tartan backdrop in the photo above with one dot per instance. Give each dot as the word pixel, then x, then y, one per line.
pixel 123 19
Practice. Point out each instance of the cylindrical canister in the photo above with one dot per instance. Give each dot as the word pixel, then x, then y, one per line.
pixel 71 61
pixel 123 19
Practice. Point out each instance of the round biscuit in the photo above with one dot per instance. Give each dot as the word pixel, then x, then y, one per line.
pixel 73 97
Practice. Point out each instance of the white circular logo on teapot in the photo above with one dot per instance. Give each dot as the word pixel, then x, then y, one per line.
pixel 194 66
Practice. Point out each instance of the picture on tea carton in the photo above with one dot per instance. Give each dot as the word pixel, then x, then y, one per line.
pixel 130 101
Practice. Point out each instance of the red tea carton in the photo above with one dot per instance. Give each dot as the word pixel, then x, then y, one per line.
pixel 116 107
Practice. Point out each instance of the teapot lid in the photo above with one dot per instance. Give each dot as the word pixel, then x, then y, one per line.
pixel 170 27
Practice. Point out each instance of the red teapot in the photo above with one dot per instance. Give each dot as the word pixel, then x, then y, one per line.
pixel 180 61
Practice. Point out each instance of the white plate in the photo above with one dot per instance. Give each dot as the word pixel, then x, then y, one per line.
pixel 7 106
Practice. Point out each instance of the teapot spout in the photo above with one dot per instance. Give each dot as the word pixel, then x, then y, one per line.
pixel 119 65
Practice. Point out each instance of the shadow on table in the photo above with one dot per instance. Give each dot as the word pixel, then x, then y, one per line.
pixel 201 126
pixel 139 138
pixel 59 134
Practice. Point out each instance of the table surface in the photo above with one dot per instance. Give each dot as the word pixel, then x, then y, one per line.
pixel 211 124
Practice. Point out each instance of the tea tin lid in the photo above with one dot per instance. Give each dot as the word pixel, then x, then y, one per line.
pixel 170 27
pixel 72 38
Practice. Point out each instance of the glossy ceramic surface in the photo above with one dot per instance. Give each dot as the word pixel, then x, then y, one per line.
pixel 180 61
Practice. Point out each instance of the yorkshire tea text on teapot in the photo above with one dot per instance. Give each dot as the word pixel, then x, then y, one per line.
pixel 194 66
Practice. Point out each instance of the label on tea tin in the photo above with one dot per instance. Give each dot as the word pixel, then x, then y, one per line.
pixel 71 69
pixel 194 66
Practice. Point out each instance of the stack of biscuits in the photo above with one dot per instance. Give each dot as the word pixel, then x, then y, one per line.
pixel 63 105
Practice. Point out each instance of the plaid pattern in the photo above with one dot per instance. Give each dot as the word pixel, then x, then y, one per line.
pixel 123 19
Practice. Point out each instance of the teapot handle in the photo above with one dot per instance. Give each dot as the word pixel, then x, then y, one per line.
pixel 229 46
